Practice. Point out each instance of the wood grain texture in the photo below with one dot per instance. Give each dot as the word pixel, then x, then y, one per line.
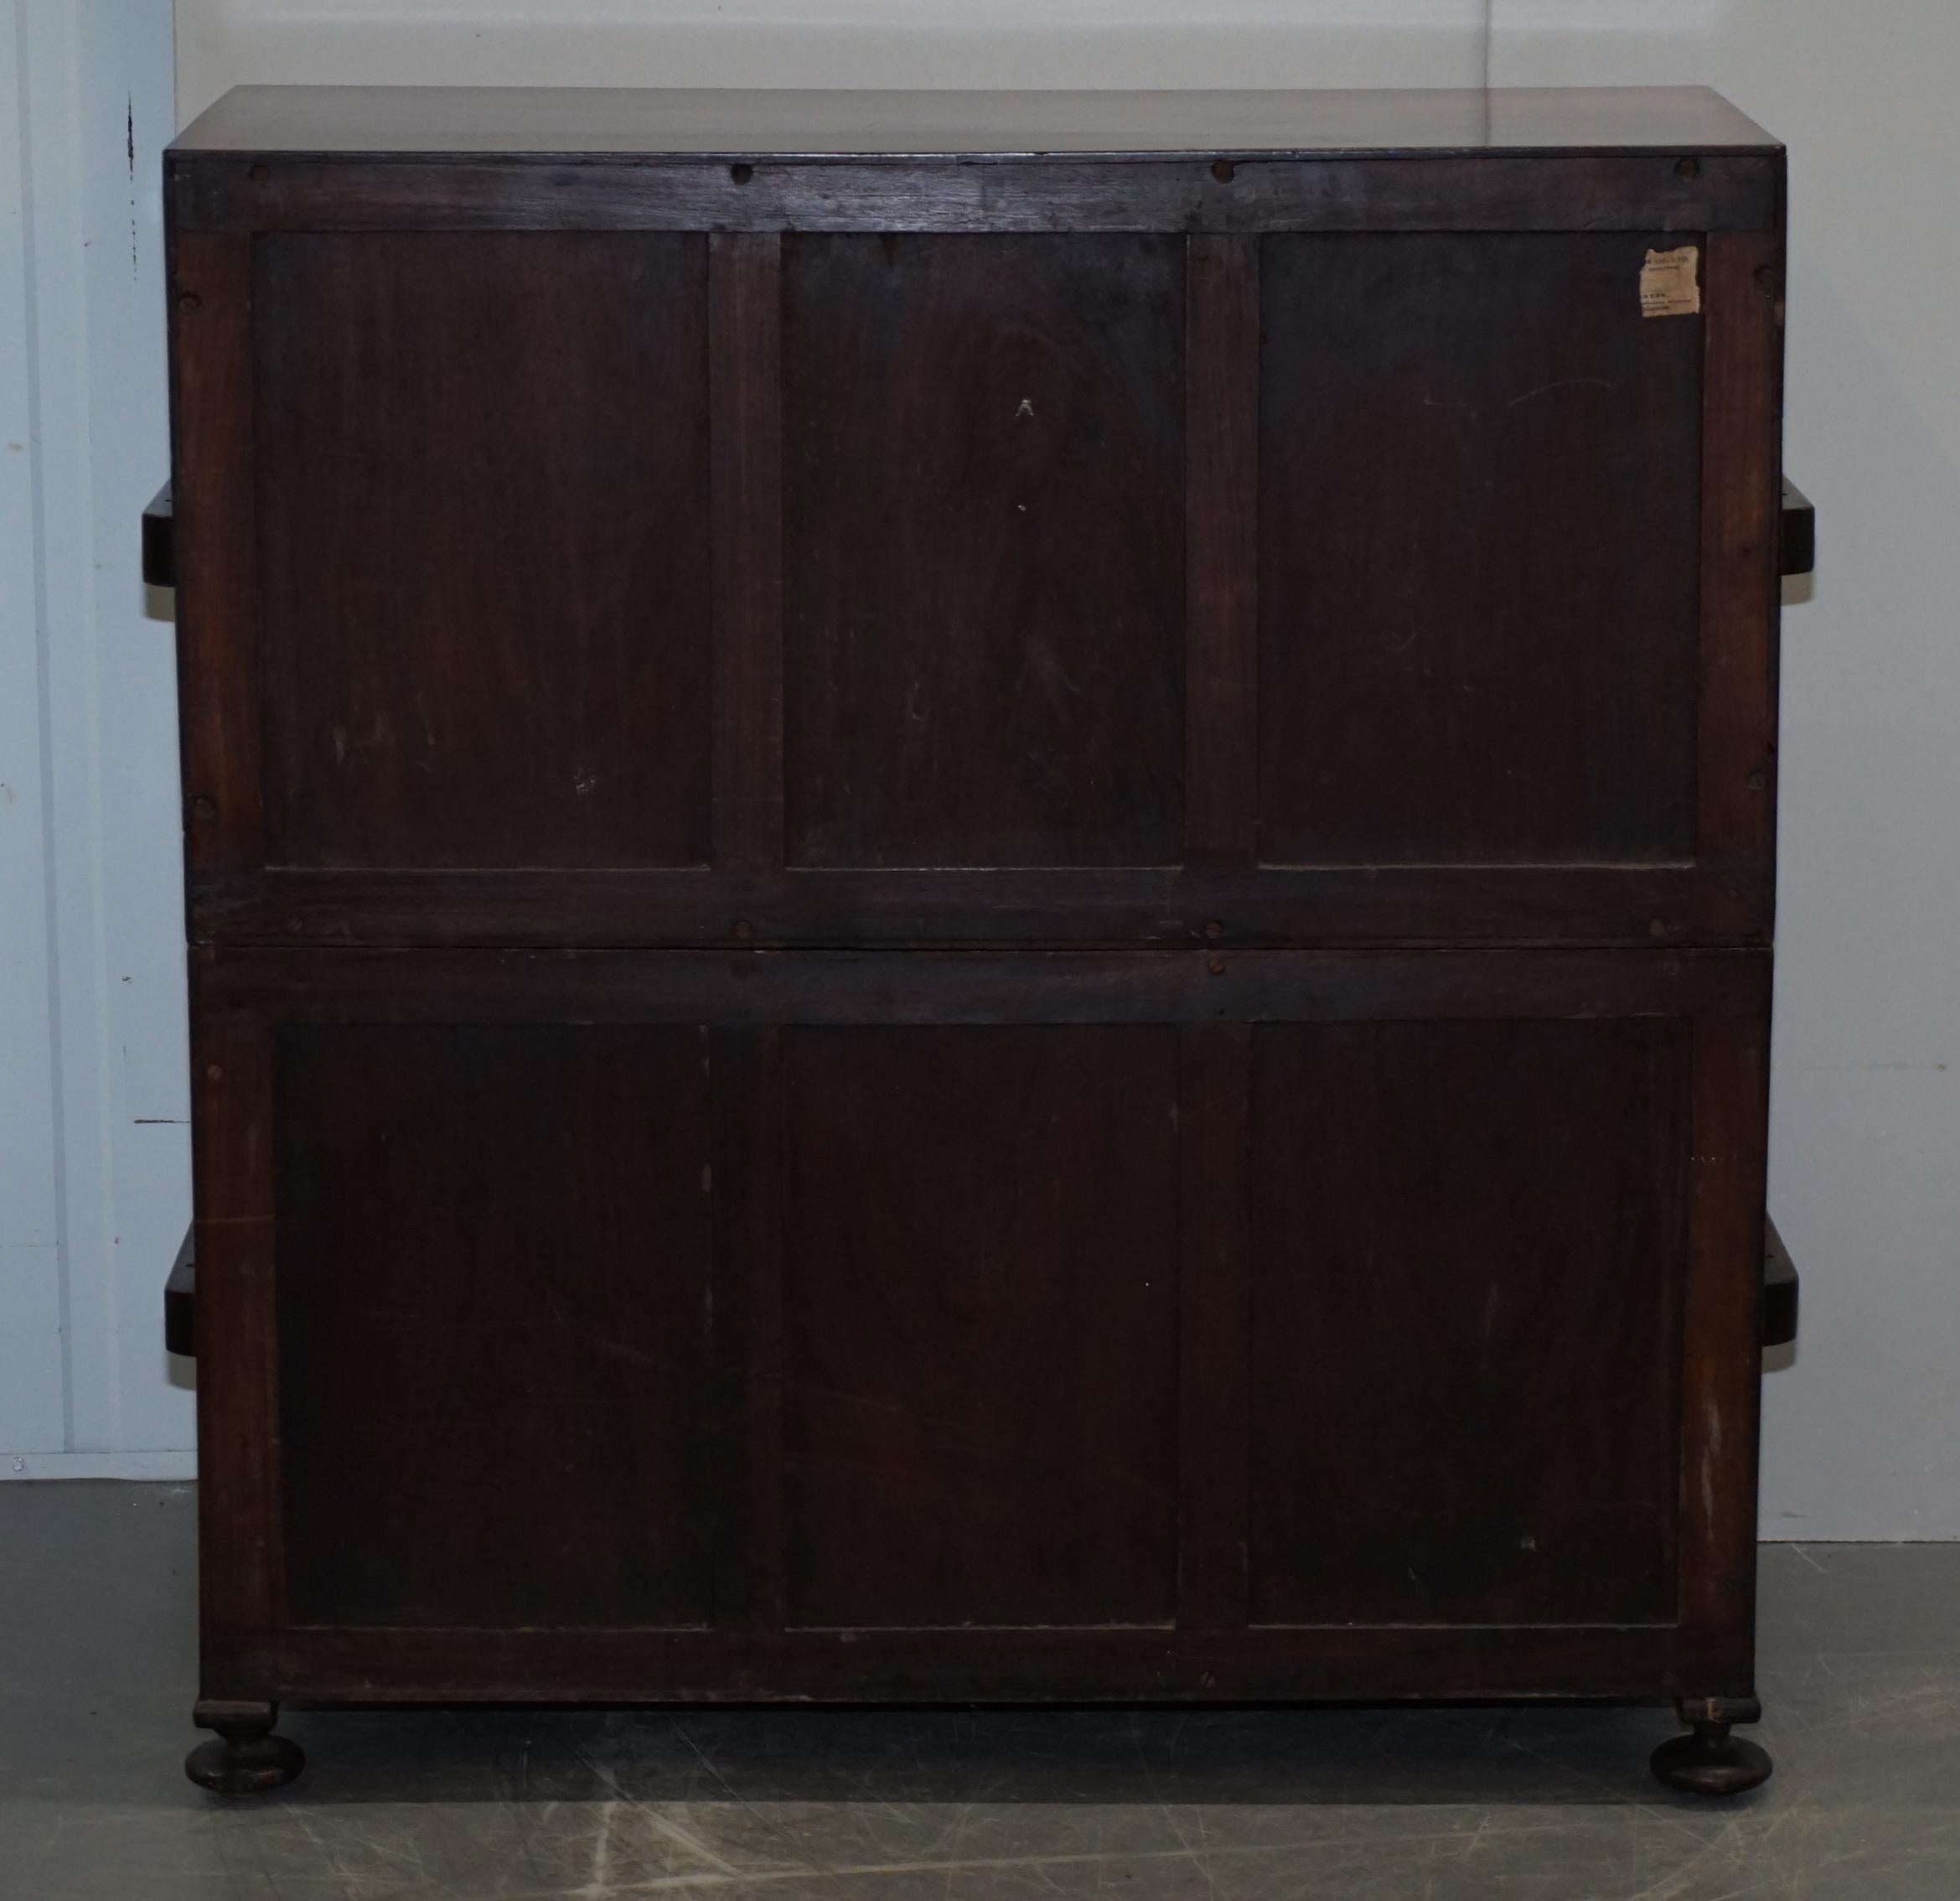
pixel 976 921
pixel 984 631
pixel 493 1325
pixel 746 1067
pixel 1069 1665
pixel 746 377
pixel 1709 904
pixel 1721 1375
pixel 900 988
pixel 1485 192
pixel 741 122
pixel 216 539
pixel 481 478
pixel 1741 589
pixel 1221 690
pixel 1480 473
pixel 240 1559
pixel 1214 1291
pixel 1467 1322
pixel 980 1410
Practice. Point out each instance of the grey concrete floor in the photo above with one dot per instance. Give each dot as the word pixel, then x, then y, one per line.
pixel 1860 1675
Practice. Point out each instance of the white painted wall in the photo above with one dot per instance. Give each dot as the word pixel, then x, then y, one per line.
pixel 94 1142
pixel 1865 1151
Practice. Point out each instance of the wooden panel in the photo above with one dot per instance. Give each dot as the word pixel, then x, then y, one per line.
pixel 493 1316
pixel 1741 590
pixel 1045 908
pixel 730 121
pixel 1478 581
pixel 240 1564
pixel 745 1065
pixel 1214 1321
pixel 1722 1380
pixel 745 385
pixel 979 1400
pixel 1221 397
pixel 1467 1285
pixel 985 550
pixel 1366 1663
pixel 483 487
pixel 216 540
pixel 1579 191
pixel 869 988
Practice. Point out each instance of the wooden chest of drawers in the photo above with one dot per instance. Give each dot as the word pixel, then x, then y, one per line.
pixel 979 895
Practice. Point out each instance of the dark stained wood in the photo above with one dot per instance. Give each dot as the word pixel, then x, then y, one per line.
pixel 979 895
pixel 1477 577
pixel 477 451
pixel 746 377
pixel 979 1373
pixel 493 1319
pixel 180 1300
pixel 984 633
pixel 159 540
pixel 745 1067
pixel 216 538
pixel 1214 1322
pixel 1221 432
pixel 241 1561
pixel 1741 590
pixel 1720 1375
pixel 868 988
pixel 733 122
pixel 1781 1290
pixel 1494 193
pixel 1466 1313
pixel 1707 904
pixel 1467 1322
pixel 1797 532
pixel 1067 1665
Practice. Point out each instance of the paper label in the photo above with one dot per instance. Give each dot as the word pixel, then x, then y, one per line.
pixel 1670 282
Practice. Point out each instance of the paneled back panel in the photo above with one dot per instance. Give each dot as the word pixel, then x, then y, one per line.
pixel 492 1319
pixel 482 492
pixel 983 549
pixel 979 1326
pixel 1479 555
pixel 1468 1273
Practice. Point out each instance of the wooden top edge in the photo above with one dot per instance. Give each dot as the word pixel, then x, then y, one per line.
pixel 575 122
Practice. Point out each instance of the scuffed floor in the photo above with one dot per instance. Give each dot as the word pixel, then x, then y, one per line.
pixel 1860 1675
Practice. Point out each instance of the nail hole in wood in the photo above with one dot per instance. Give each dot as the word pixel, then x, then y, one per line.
pixel 1690 168
pixel 260 175
pixel 741 174
pixel 1222 170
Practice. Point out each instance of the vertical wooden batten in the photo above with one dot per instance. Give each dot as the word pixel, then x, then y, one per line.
pixel 745 376
pixel 1741 467
pixel 1221 449
pixel 1214 1078
pixel 747 1305
pixel 217 551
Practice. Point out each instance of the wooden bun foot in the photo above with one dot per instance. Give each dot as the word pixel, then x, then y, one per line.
pixel 1711 1761
pixel 244 1758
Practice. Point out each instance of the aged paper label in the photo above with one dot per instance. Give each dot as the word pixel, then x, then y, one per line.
pixel 1670 282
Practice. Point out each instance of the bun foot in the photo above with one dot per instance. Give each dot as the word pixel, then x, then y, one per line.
pixel 244 1758
pixel 1712 1762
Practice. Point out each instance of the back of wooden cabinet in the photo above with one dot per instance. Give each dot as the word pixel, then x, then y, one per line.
pixel 948 963
pixel 1385 587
